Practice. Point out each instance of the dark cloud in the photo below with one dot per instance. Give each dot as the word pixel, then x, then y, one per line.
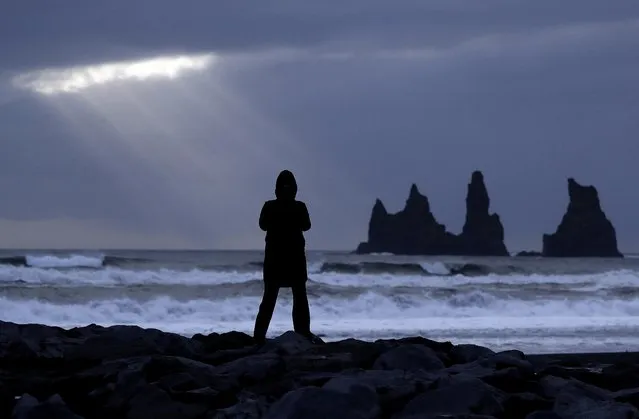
pixel 78 31
pixel 358 98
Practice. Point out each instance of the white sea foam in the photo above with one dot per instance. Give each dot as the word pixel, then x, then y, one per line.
pixel 463 316
pixel 537 313
pixel 435 268
pixel 314 267
pixel 50 261
pixel 369 311
pixel 117 277
pixel 113 276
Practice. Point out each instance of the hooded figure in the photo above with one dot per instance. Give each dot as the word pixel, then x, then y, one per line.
pixel 284 220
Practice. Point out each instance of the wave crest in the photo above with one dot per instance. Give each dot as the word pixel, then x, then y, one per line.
pixel 70 261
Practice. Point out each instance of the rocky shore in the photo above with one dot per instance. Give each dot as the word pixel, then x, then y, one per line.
pixel 129 372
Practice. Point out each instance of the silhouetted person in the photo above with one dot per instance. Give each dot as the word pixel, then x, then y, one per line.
pixel 285 220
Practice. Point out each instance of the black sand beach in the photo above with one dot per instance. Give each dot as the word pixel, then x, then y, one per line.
pixel 130 372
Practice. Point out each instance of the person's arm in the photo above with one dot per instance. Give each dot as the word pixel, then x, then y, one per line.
pixel 304 218
pixel 265 217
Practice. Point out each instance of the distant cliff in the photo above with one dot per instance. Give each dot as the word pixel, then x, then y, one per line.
pixel 584 231
pixel 415 231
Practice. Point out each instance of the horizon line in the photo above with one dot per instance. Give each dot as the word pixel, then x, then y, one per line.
pixel 168 249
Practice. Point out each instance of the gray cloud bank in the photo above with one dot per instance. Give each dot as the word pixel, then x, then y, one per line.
pixel 358 98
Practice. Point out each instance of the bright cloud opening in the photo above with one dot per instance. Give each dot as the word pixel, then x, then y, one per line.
pixel 75 79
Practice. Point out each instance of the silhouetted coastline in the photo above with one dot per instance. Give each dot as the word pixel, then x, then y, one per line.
pixel 584 230
pixel 96 372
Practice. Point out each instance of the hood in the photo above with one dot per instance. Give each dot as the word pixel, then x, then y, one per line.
pixel 285 186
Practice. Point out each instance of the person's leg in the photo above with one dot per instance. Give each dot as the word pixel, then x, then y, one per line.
pixel 301 311
pixel 265 313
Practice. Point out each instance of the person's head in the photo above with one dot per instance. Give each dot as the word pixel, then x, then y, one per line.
pixel 285 186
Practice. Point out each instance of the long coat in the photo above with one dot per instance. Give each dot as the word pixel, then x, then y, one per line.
pixel 285 220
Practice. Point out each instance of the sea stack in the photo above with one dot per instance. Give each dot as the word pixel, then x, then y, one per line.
pixel 483 233
pixel 415 231
pixel 584 231
pixel 411 231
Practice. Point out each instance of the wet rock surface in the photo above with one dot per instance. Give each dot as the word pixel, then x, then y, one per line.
pixel 130 372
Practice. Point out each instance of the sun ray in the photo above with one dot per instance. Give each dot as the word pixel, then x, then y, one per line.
pixel 75 79
pixel 209 149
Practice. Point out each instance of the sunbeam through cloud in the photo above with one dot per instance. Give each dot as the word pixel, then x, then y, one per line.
pixel 74 79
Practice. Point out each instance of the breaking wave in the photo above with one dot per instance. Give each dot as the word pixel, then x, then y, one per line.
pixel 366 312
pixel 64 275
pixel 489 302
pixel 373 268
pixel 69 261
pixel 422 268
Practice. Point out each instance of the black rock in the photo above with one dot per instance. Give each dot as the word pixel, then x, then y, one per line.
pixel 361 394
pixel 415 231
pixel 520 405
pixel 363 354
pixel 253 369
pixel 127 341
pixel 584 231
pixel 457 395
pixel 543 414
pixel 330 362
pixel 409 358
pixel 446 416
pixel 464 353
pixel 287 344
pixel 321 403
pixel 630 395
pixel 248 408
pixel 411 231
pixel 34 342
pixel 574 399
pixel 483 233
pixel 394 387
pixel 28 407
pixel 151 402
pixel 150 373
pixel 230 340
pixel 618 376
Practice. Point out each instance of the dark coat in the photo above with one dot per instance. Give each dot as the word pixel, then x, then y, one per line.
pixel 285 220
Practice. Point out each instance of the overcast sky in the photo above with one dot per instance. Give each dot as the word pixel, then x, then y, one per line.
pixel 360 98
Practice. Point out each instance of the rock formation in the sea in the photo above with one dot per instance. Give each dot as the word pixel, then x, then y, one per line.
pixel 414 230
pixel 411 231
pixel 95 372
pixel 483 233
pixel 584 231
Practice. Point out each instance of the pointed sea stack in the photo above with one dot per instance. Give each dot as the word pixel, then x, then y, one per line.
pixel 483 233
pixel 378 229
pixel 412 231
pixel 585 231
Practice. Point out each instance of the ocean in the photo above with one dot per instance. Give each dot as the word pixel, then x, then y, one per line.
pixel 531 304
